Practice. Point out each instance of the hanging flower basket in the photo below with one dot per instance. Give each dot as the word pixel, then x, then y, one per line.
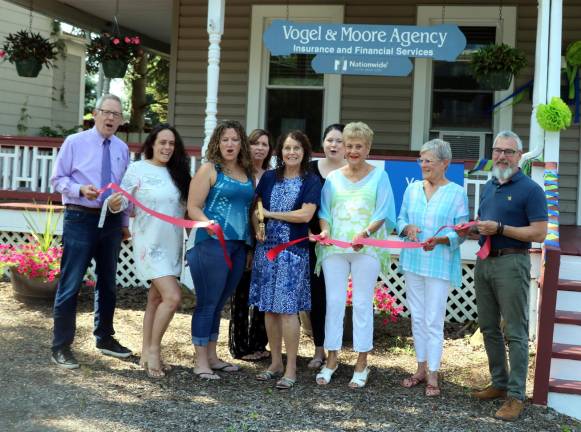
pixel 495 81
pixel 493 66
pixel 29 52
pixel 114 68
pixel 29 68
pixel 114 52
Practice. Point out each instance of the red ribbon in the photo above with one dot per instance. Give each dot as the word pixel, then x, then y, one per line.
pixel 396 244
pixel 185 223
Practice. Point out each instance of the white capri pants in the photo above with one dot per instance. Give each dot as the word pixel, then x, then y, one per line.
pixel 426 299
pixel 364 270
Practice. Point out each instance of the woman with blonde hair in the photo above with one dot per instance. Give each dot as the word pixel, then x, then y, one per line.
pixel 356 202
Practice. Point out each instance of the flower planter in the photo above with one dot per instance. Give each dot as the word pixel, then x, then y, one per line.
pixel 114 68
pixel 495 81
pixel 32 289
pixel 29 68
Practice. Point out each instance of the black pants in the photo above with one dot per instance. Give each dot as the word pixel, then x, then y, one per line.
pixel 318 300
pixel 247 332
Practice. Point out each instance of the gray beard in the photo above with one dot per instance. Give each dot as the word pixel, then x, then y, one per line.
pixel 502 174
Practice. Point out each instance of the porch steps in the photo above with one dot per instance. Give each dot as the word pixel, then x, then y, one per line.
pixel 565 368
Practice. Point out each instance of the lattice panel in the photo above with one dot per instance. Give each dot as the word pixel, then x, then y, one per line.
pixel 461 301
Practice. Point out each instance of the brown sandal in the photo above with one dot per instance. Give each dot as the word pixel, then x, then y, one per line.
pixel 432 390
pixel 412 381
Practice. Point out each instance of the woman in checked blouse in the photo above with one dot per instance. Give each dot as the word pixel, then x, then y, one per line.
pixel 427 205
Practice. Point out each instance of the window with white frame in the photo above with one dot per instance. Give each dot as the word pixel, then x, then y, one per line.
pixel 447 101
pixel 294 96
pixel 284 92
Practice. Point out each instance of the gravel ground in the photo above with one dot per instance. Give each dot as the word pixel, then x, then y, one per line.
pixel 108 394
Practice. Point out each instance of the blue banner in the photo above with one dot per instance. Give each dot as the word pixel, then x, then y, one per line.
pixel 402 173
pixel 439 42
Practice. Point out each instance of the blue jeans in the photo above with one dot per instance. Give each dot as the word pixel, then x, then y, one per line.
pixel 214 283
pixel 82 241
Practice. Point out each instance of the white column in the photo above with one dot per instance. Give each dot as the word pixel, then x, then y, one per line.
pixel 547 77
pixel 537 134
pixel 554 74
pixel 215 32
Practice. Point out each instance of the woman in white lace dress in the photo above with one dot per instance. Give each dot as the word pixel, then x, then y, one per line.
pixel 160 181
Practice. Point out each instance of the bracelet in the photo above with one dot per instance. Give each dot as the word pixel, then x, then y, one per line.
pixel 500 228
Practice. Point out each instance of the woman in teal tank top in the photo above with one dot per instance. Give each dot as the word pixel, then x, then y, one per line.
pixel 222 190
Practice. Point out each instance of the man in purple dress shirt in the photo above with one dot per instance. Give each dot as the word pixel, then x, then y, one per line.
pixel 86 162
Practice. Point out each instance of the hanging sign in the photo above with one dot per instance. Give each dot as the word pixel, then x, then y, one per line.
pixel 365 43
pixel 362 65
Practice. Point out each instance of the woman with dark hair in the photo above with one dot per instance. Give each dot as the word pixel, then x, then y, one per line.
pixel 281 288
pixel 334 159
pixel 160 181
pixel 222 190
pixel 247 333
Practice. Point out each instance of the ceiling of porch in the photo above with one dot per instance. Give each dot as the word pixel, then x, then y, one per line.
pixel 149 18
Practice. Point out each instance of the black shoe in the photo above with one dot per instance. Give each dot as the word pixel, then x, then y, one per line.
pixel 113 348
pixel 64 358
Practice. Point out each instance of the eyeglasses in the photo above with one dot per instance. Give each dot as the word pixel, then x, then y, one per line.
pixel 499 151
pixel 421 161
pixel 108 113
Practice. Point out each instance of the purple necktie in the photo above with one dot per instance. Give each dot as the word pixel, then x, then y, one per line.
pixel 106 168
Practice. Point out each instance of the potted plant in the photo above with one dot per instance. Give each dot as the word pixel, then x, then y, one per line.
pixel 493 66
pixel 114 52
pixel 29 52
pixel 34 266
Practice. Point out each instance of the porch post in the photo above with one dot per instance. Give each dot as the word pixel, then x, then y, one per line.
pixel 537 134
pixel 554 74
pixel 215 32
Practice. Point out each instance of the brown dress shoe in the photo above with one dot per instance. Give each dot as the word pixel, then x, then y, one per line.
pixel 488 393
pixel 510 410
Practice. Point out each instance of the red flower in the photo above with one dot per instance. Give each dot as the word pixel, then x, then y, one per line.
pixel 2 54
pixel 127 40
pixel 116 41
pixel 136 40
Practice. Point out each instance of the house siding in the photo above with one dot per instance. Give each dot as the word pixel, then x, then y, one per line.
pixel 32 94
pixel 384 103
pixel 52 98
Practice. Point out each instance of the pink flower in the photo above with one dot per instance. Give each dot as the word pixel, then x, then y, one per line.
pixel 2 53
pixel 127 40
pixel 116 41
pixel 136 40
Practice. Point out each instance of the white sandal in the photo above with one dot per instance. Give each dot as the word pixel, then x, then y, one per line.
pixel 359 378
pixel 325 374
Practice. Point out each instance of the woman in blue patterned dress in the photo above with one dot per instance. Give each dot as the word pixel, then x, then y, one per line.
pixel 281 288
